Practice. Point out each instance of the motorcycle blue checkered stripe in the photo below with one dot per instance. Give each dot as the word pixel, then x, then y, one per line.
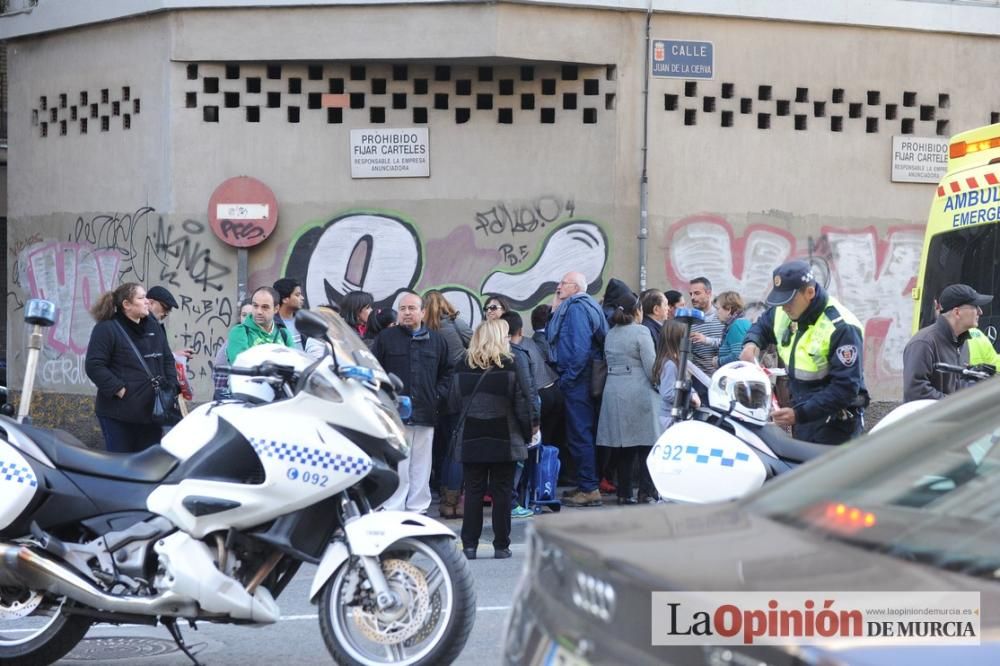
pixel 303 455
pixel 716 454
pixel 14 473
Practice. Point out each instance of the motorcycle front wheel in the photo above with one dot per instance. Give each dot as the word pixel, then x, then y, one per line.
pixel 431 623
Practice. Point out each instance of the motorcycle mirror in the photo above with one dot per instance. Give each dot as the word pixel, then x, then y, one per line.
pixel 310 324
pixel 397 383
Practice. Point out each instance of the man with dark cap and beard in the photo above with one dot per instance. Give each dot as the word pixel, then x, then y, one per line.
pixel 161 304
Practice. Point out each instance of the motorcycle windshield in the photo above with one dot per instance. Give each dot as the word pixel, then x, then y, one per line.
pixel 347 344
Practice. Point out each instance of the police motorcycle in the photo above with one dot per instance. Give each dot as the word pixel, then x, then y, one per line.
pixel 727 448
pixel 212 524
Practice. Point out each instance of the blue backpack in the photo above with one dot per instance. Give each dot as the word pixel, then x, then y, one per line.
pixel 545 475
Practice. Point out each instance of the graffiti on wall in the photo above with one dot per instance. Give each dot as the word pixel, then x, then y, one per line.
pixel 153 251
pixel 380 254
pixel 105 250
pixel 534 244
pixel 72 276
pixel 577 246
pixel 376 251
pixel 871 276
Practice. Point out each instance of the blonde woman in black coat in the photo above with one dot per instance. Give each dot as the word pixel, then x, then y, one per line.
pixel 499 419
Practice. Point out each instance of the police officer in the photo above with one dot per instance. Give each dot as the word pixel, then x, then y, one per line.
pixel 821 345
pixel 981 350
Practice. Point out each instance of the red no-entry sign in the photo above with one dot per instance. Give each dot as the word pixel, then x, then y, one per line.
pixel 242 212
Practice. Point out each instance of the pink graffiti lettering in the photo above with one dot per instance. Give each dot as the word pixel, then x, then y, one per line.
pixel 75 274
pixel 872 277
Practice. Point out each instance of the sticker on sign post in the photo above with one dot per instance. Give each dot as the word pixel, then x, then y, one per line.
pixel 242 211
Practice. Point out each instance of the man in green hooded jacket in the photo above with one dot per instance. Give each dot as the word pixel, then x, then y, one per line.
pixel 259 328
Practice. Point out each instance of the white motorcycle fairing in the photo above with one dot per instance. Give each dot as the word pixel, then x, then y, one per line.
pixel 18 484
pixel 698 462
pixel 371 534
pixel 903 411
pixel 304 462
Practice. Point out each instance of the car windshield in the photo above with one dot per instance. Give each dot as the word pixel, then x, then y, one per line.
pixel 925 490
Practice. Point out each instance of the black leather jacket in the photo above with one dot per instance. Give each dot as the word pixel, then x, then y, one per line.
pixel 420 359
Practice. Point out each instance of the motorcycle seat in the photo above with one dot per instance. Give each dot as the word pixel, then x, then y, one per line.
pixel 787 447
pixel 68 453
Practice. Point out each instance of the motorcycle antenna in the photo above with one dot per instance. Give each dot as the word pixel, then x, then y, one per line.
pixel 40 314
pixel 682 389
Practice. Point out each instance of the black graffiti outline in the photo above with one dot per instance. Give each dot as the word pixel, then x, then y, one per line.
pixel 241 230
pixel 588 237
pixel 526 217
pixel 196 261
pixel 301 251
pixel 142 253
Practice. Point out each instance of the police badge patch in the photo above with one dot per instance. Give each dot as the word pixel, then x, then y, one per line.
pixel 847 354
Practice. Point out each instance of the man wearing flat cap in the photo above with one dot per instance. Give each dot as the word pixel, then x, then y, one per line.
pixel 161 303
pixel 822 345
pixel 944 341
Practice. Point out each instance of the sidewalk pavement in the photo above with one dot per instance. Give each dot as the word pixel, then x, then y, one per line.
pixel 518 526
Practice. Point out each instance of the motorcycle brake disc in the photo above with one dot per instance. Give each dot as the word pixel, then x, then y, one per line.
pixel 427 627
pixel 15 609
pixel 409 584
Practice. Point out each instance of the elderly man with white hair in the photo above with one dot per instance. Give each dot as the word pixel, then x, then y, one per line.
pixel 576 338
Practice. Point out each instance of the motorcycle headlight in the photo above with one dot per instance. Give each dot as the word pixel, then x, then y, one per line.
pixel 321 387
pixel 396 437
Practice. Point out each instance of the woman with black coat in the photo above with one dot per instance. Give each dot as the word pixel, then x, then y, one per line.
pixel 124 403
pixel 493 392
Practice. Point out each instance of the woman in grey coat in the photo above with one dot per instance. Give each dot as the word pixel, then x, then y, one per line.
pixel 630 406
pixel 441 316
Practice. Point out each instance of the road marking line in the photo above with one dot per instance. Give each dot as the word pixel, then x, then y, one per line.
pixel 286 618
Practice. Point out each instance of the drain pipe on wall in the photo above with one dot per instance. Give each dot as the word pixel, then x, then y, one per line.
pixel 644 178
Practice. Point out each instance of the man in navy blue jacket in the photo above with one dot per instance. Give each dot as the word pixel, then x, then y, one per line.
pixel 419 357
pixel 576 337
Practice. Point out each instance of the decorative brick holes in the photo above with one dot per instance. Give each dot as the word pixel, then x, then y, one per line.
pixel 767 107
pixel 398 94
pixel 66 118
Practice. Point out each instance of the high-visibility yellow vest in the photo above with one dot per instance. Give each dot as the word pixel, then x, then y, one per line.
pixel 812 346
pixel 981 349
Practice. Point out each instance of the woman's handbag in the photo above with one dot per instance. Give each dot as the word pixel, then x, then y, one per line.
pixel 453 441
pixel 163 396
pixel 161 410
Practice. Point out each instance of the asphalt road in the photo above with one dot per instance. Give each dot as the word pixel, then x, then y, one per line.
pixel 296 639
